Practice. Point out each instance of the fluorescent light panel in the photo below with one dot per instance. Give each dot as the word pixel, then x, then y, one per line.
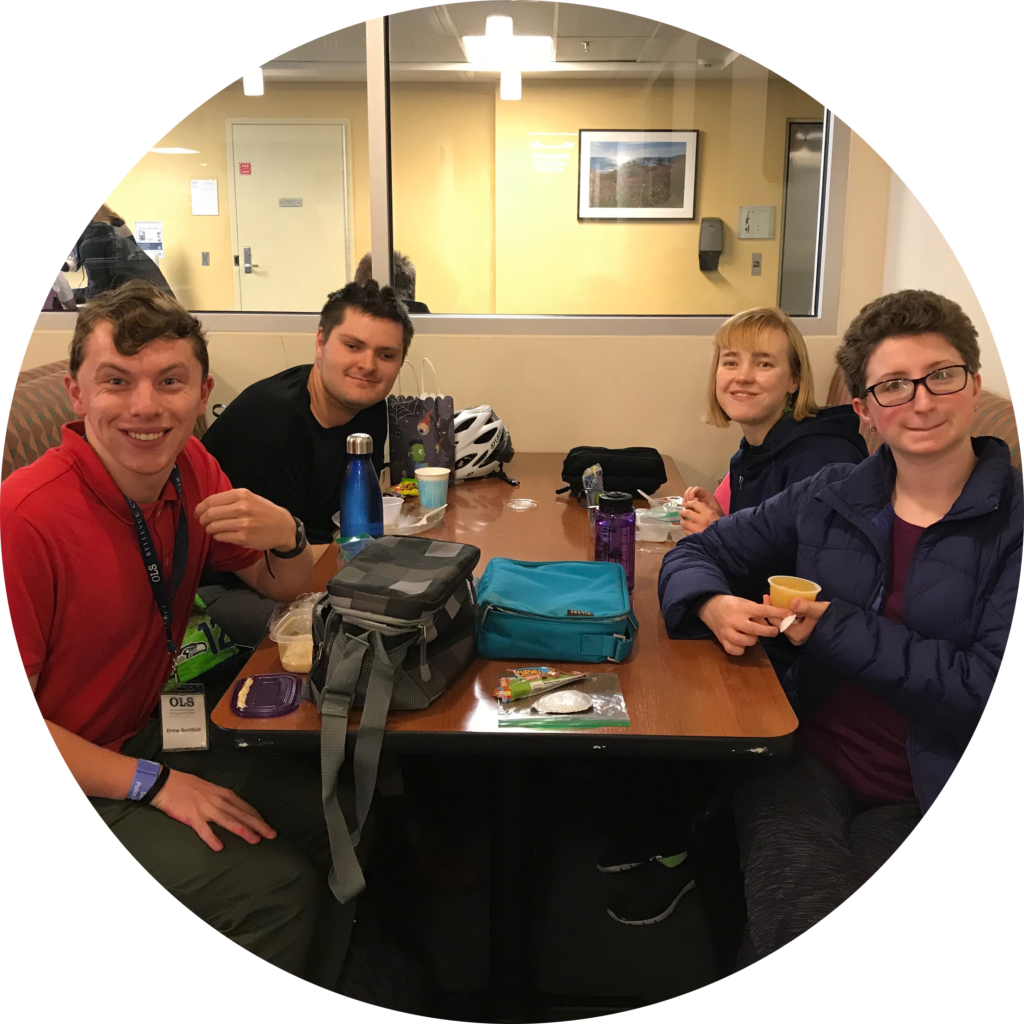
pixel 252 82
pixel 172 150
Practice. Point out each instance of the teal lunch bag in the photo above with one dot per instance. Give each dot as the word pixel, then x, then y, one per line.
pixel 554 611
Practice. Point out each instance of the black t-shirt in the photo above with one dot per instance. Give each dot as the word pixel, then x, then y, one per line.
pixel 268 441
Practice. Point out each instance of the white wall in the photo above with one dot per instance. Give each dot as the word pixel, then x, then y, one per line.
pixel 917 256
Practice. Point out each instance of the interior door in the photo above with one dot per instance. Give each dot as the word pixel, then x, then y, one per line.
pixel 290 214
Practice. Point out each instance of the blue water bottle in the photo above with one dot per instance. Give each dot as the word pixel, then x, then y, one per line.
pixel 361 517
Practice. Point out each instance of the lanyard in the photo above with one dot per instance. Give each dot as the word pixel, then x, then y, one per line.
pixel 151 561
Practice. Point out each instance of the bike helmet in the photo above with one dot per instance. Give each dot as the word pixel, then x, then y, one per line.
pixel 482 444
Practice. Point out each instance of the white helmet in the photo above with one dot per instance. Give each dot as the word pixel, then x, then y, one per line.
pixel 482 444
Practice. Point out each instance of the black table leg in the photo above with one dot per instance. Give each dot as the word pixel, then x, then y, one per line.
pixel 512 896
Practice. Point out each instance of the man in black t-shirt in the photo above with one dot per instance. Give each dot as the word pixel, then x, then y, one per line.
pixel 284 437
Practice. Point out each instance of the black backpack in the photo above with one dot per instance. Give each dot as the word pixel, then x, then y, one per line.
pixel 625 469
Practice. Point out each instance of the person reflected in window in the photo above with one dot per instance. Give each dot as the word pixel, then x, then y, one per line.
pixel 761 379
pixel 111 257
pixel 403 279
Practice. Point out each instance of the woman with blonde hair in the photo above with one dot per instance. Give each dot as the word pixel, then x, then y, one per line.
pixel 761 379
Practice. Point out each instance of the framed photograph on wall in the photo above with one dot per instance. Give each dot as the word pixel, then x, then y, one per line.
pixel 637 175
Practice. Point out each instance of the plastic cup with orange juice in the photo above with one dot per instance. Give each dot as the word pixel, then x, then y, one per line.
pixel 784 590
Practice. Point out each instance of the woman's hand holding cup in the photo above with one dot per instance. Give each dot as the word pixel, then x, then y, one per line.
pixel 739 623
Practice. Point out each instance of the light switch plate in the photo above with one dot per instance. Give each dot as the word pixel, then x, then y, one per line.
pixel 756 222
pixel 755 265
pixel 204 259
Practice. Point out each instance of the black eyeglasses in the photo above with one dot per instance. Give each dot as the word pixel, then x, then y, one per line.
pixel 945 381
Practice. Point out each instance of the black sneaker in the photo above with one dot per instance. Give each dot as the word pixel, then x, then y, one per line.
pixel 625 855
pixel 652 892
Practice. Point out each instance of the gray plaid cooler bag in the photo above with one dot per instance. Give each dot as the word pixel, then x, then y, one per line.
pixel 395 629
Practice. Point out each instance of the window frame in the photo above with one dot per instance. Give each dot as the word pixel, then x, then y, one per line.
pixel 378 89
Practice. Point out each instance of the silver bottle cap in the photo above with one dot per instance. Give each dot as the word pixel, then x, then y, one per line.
pixel 359 444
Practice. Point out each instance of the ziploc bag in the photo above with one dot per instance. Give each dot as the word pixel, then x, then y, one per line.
pixel 608 707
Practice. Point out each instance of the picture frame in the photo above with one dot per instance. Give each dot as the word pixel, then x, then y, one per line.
pixel 659 183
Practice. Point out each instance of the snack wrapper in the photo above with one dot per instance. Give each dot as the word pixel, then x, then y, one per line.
pixel 528 682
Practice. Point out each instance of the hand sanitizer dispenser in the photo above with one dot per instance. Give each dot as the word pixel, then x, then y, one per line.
pixel 710 247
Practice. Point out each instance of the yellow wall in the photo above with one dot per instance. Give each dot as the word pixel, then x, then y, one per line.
pixel 158 187
pixel 487 232
pixel 549 262
pixel 442 172
pixel 653 386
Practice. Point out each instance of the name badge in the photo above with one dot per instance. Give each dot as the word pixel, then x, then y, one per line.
pixel 183 718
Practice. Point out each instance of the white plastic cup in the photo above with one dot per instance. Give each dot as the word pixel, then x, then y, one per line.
pixel 432 483
pixel 392 508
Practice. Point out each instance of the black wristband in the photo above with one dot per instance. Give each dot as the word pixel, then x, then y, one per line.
pixel 300 543
pixel 161 780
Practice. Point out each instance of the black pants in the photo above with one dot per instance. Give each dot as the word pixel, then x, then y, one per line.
pixel 805 846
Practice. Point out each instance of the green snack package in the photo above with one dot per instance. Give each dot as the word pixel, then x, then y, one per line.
pixel 204 646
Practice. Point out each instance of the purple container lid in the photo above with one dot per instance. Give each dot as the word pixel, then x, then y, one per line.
pixel 270 695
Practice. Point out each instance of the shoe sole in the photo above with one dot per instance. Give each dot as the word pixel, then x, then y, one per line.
pixel 614 869
pixel 660 917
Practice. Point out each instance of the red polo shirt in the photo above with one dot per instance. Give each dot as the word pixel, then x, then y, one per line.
pixel 80 599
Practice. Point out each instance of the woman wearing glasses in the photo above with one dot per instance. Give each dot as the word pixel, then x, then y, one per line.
pixel 917 551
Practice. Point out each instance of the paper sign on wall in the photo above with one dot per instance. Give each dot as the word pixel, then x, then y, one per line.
pixel 204 197
pixel 150 236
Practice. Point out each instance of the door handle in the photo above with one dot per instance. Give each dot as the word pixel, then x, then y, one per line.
pixel 247 260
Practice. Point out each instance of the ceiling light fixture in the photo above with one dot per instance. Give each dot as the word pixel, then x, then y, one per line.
pixel 499 49
pixel 252 82
pixel 172 150
pixel 511 84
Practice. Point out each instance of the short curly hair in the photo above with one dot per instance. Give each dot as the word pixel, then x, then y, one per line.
pixel 903 315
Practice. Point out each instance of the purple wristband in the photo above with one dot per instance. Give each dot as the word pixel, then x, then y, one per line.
pixel 146 773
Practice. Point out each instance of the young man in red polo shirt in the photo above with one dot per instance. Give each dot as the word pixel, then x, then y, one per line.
pixel 104 539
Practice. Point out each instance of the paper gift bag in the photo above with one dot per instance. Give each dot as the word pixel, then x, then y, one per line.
pixel 420 428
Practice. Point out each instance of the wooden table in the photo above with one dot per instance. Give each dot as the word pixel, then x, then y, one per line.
pixel 685 698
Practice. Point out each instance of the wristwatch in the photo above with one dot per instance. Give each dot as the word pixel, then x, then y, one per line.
pixel 300 542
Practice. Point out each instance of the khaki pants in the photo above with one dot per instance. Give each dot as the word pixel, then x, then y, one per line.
pixel 271 898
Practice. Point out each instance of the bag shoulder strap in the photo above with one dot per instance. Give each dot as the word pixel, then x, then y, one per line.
pixel 334 701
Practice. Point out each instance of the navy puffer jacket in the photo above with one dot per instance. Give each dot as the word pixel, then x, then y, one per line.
pixel 938 667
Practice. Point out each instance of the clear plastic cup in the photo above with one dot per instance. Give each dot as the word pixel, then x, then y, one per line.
pixel 432 483
pixel 392 508
pixel 784 590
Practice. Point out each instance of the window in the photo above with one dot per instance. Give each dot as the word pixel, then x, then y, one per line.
pixel 497 108
pixel 546 159
pixel 259 199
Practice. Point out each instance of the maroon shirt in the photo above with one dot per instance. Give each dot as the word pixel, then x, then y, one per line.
pixel 860 737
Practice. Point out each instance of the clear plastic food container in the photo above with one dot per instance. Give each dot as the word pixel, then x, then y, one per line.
pixel 291 628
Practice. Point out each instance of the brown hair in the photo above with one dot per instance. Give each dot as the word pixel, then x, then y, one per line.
pixel 371 299
pixel 139 313
pixel 403 274
pixel 903 315
pixel 105 215
pixel 744 331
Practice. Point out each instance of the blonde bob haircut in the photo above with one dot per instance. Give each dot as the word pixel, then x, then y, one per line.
pixel 743 332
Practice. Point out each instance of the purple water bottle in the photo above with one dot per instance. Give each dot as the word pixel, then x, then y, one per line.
pixel 615 531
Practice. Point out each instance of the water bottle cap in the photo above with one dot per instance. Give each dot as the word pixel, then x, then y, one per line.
pixel 615 501
pixel 359 444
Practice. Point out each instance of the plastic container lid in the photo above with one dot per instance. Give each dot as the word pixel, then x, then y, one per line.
pixel 266 696
pixel 615 501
